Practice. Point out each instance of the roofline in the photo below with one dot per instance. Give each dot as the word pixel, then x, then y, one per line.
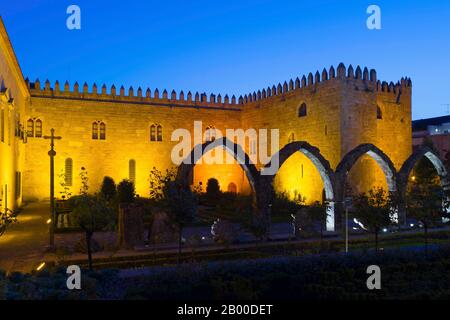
pixel 11 56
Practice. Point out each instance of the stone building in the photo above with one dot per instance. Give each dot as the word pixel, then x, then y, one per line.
pixel 332 124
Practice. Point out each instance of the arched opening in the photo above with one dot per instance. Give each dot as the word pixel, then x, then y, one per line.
pixel 423 167
pixel 364 168
pixel 305 175
pixel 235 174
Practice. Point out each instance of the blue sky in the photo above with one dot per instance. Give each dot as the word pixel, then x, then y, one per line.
pixel 232 46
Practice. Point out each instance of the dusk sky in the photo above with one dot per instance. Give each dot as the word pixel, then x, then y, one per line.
pixel 232 46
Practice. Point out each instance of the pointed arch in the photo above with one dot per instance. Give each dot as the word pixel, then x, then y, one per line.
pixel 322 165
pixel 376 154
pixel 187 166
pixel 433 156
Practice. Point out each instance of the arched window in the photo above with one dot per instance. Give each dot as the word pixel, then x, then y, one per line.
pixel 379 113
pixel 159 133
pixel 152 132
pixel 210 134
pixel 132 170
pixel 38 128
pixel 232 188
pixel 291 137
pixel 102 131
pixel 95 131
pixel 68 173
pixel 2 125
pixel 30 128
pixel 302 110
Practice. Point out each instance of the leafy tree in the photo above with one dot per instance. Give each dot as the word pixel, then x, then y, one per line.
pixel 108 189
pixel 126 192
pixel 427 203
pixel 424 171
pixel 177 200
pixel 213 192
pixel 92 214
pixel 375 210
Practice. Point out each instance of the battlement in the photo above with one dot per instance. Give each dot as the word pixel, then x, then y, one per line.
pixel 366 77
pixel 150 97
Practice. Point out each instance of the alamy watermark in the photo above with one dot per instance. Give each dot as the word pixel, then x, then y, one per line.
pixel 73 21
pixel 374 20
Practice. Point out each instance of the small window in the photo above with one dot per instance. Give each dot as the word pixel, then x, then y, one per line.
pixel 102 131
pixel 302 110
pixel 379 113
pixel 30 128
pixel 159 133
pixel 326 130
pixel 291 137
pixel 68 173
pixel 38 128
pixel 210 134
pixel 18 184
pixel 95 131
pixel 152 132
pixel 132 170
pixel 2 125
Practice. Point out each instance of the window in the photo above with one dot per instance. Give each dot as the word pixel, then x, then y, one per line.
pixel 156 133
pixel 68 173
pixel 302 171
pixel 132 170
pixel 18 184
pixel 291 137
pixel 210 134
pixel 95 131
pixel 326 130
pixel 30 128
pixel 302 112
pixel 98 130
pixel 159 133
pixel 152 132
pixel 38 128
pixel 34 128
pixel 379 113
pixel 102 131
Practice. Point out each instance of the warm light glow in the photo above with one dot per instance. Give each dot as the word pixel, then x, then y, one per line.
pixel 41 266
pixel 413 178
pixel 49 221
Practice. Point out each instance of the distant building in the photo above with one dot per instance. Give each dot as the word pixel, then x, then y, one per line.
pixel 436 129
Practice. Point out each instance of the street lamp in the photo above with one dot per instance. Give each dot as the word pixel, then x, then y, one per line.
pixel 52 154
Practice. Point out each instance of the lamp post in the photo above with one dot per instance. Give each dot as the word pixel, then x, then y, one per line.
pixel 52 154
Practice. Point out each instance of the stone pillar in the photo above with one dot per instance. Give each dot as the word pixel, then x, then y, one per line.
pixel 131 226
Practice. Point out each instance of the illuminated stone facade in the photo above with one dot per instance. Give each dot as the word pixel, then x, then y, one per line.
pixel 334 111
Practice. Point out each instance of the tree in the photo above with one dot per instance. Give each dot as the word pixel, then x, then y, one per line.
pixel 427 203
pixel 92 214
pixel 424 171
pixel 126 192
pixel 213 192
pixel 177 200
pixel 375 211
pixel 319 212
pixel 108 189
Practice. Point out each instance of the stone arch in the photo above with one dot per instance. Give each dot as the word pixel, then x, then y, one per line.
pixel 322 165
pixel 187 166
pixel 408 166
pixel 424 151
pixel 349 160
pixel 375 153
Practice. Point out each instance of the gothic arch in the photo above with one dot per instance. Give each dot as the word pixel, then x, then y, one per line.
pixel 375 153
pixel 186 168
pixel 322 165
pixel 424 151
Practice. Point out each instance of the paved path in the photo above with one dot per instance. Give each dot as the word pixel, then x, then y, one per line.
pixel 23 245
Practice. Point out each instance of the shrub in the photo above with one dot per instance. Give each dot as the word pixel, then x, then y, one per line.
pixel 125 191
pixel 108 189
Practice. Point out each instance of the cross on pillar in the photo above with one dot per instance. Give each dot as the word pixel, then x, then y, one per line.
pixel 52 155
